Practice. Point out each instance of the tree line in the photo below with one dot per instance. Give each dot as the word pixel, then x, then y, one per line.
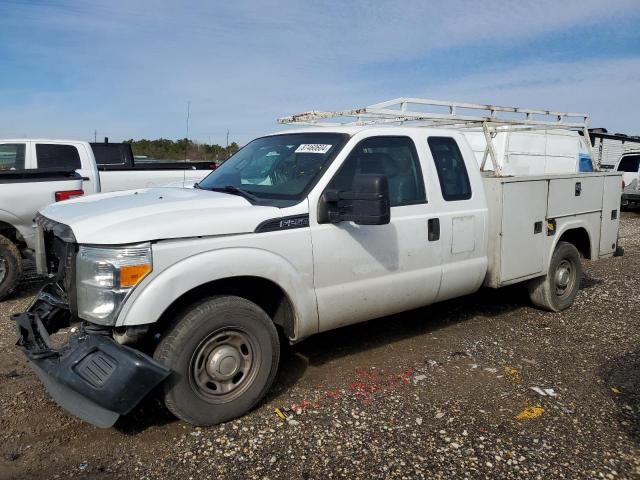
pixel 165 149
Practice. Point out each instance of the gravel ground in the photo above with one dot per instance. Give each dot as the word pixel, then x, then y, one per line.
pixel 440 392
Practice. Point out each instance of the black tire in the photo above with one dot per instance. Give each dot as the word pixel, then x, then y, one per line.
pixel 197 352
pixel 553 292
pixel 10 267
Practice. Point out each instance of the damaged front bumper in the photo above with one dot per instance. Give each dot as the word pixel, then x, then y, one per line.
pixel 92 376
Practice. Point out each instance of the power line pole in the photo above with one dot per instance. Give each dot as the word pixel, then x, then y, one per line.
pixel 188 114
pixel 95 135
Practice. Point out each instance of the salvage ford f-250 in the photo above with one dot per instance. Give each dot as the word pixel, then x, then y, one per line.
pixel 299 232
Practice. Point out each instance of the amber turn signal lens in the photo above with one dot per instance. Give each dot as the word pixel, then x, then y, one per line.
pixel 130 275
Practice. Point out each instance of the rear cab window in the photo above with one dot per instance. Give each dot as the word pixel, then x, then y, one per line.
pixel 52 155
pixel 12 156
pixel 451 169
pixel 112 154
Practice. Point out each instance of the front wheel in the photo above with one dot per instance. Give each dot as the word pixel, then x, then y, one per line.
pixel 10 266
pixel 556 290
pixel 223 354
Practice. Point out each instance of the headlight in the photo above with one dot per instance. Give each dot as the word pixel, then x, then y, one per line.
pixel 106 276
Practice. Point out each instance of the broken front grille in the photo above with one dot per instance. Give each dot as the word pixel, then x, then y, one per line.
pixel 59 249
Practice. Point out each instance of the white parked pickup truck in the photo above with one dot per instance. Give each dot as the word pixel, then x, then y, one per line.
pixel 18 209
pixel 104 167
pixel 300 232
pixel 629 166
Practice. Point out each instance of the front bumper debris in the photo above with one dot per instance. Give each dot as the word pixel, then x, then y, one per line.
pixel 92 376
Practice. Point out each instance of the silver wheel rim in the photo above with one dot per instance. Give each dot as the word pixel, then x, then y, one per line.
pixel 564 278
pixel 3 269
pixel 224 365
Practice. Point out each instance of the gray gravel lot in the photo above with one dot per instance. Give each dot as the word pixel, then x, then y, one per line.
pixel 440 392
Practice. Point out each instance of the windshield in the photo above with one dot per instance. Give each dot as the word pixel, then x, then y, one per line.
pixel 280 166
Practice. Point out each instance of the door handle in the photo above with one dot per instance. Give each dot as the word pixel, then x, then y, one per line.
pixel 433 227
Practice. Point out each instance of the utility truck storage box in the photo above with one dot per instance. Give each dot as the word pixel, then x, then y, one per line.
pixel 527 215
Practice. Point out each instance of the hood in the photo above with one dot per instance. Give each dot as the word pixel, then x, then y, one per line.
pixel 157 213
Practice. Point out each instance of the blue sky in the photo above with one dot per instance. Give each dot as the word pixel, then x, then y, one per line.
pixel 127 68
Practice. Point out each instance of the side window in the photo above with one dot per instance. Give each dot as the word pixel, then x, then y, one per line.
pixel 12 156
pixel 452 172
pixel 52 155
pixel 629 163
pixel 395 157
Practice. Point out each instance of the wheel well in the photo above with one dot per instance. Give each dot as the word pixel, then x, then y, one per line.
pixel 579 237
pixel 264 293
pixel 9 231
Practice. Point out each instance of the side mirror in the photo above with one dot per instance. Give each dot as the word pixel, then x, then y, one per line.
pixel 366 204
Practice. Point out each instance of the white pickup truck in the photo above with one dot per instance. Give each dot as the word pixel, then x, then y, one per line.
pixel 103 167
pixel 18 208
pixel 629 166
pixel 300 232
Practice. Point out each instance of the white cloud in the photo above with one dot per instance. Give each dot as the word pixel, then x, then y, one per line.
pixel 129 67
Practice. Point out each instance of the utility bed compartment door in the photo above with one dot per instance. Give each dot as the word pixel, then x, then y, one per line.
pixel 571 196
pixel 610 214
pixel 524 207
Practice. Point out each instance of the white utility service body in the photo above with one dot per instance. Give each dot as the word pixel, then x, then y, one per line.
pixel 370 220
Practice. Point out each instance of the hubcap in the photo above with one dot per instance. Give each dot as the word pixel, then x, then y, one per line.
pixel 224 365
pixel 564 278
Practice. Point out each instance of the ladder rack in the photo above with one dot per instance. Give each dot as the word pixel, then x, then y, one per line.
pixel 492 119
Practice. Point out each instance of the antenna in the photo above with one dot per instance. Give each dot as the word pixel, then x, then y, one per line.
pixel 186 147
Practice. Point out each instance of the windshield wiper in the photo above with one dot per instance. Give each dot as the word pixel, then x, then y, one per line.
pixel 233 190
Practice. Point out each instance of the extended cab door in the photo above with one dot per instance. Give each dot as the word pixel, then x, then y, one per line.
pixel 363 272
pixel 463 214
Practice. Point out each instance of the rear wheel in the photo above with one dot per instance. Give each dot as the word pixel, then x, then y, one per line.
pixel 224 354
pixel 10 266
pixel 557 290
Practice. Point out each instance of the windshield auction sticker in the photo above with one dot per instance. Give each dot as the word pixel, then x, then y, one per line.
pixel 313 148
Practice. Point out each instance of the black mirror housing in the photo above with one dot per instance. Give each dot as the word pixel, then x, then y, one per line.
pixel 369 197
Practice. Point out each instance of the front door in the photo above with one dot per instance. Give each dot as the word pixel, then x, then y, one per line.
pixel 362 272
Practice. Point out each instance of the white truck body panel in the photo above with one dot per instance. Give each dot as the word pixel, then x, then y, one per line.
pixel 125 217
pixel 534 152
pixel 517 250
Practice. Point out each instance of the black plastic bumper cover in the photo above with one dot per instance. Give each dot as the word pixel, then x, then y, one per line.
pixel 92 376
